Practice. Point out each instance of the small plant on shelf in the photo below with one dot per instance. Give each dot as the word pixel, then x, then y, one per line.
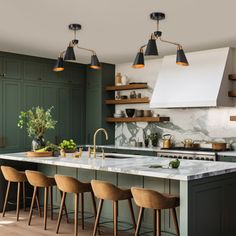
pixel 37 121
pixel 68 146
pixel 154 139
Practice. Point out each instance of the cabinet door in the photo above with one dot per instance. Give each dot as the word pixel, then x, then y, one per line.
pixel 50 75
pixel 1 117
pixel 10 114
pixel 12 68
pixel 49 99
pixel 78 115
pixel 32 98
pixel 76 74
pixel 33 70
pixel 64 121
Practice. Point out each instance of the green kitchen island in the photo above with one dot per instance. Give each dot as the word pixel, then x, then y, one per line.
pixel 207 189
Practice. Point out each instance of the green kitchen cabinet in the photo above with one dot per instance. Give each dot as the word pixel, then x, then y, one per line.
pixel 96 110
pixel 11 101
pixel 33 70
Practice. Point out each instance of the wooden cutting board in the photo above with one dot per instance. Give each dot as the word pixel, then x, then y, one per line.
pixel 39 154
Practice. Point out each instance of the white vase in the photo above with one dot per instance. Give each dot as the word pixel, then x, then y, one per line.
pixel 124 80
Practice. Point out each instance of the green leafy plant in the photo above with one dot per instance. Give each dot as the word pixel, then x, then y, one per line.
pixel 52 147
pixel 154 138
pixel 68 145
pixel 37 121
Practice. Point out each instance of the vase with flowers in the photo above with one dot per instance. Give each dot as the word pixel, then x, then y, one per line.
pixel 37 121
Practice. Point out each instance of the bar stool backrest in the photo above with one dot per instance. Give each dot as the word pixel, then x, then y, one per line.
pixel 11 174
pixel 147 198
pixel 37 179
pixel 69 184
pixel 105 190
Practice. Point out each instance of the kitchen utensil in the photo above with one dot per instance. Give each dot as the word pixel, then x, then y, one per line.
pixel 219 146
pixel 188 143
pixel 147 113
pixel 133 94
pixel 139 113
pixel 118 79
pixel 139 95
pixel 130 112
pixel 166 139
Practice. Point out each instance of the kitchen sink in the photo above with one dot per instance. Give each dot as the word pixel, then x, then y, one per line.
pixel 117 156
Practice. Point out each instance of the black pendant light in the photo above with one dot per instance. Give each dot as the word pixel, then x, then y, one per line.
pixel 59 66
pixel 181 58
pixel 151 47
pixel 95 64
pixel 70 54
pixel 139 60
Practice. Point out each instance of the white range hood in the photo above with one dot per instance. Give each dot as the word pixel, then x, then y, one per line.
pixel 204 83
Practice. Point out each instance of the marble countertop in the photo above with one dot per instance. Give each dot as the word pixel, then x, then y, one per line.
pixel 227 153
pixel 134 164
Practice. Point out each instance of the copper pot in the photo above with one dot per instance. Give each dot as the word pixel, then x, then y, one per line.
pixel 166 141
pixel 219 146
pixel 188 143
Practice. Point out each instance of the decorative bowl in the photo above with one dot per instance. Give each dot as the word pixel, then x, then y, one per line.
pixel 130 112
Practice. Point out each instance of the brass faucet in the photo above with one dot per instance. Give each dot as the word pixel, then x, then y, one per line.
pixel 94 139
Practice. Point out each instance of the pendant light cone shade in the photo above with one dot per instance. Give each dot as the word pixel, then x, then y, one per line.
pixel 95 64
pixel 70 54
pixel 59 66
pixel 139 60
pixel 151 49
pixel 181 58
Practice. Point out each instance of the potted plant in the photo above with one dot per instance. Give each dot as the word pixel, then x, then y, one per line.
pixel 69 146
pixel 154 139
pixel 37 121
pixel 53 148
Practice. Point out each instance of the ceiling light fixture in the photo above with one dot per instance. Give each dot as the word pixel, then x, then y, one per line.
pixel 70 54
pixel 151 47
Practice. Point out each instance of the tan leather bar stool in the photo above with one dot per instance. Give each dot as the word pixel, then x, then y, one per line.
pixel 12 175
pixel 107 191
pixel 39 180
pixel 146 198
pixel 68 184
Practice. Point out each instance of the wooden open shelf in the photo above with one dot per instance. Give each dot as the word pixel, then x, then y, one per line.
pixel 232 93
pixel 138 119
pixel 127 101
pixel 232 118
pixel 232 77
pixel 126 87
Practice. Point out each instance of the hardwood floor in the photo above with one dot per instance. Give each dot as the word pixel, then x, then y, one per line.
pixel 9 226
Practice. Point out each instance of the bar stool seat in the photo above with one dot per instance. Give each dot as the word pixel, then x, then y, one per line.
pixel 67 184
pixel 146 198
pixel 11 175
pixel 39 180
pixel 106 191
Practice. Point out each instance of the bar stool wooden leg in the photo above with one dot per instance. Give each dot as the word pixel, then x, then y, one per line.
pixel 45 206
pixel 158 232
pixel 94 204
pixel 82 208
pixel 51 202
pixel 61 210
pixel 140 216
pixel 18 201
pixel 154 222
pixel 115 216
pixel 32 205
pixel 38 204
pixel 64 207
pixel 6 198
pixel 24 197
pixel 98 217
pixel 76 213
pixel 175 221
pixel 132 213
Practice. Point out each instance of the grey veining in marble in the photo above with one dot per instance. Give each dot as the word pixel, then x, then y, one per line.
pixel 136 165
pixel 205 124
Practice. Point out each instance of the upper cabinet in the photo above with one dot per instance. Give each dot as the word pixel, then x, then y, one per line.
pixel 33 70
pixel 10 67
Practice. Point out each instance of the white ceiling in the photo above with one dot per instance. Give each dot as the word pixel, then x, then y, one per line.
pixel 114 28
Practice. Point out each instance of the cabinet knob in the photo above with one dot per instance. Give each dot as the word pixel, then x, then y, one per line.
pixel 39 78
